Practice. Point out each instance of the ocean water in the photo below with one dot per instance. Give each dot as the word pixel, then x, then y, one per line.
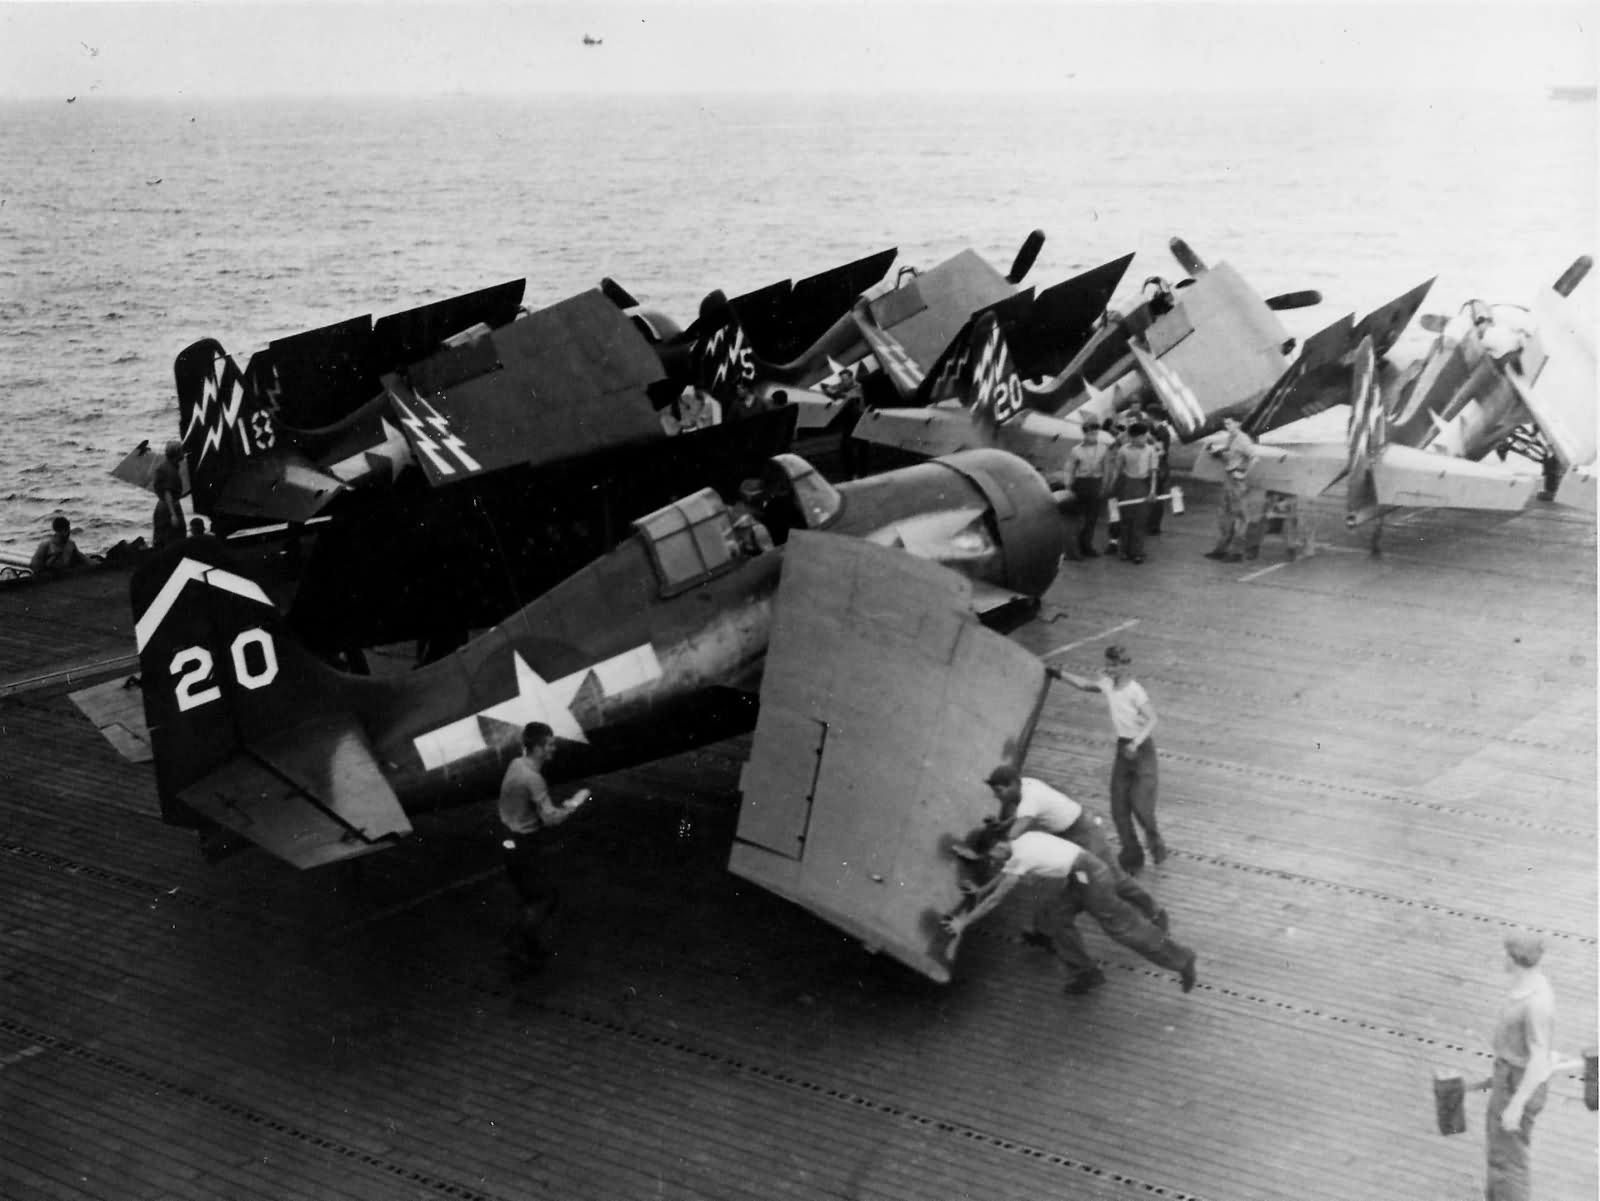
pixel 129 229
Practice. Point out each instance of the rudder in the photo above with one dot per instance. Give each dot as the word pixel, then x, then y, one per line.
pixel 248 729
pixel 225 415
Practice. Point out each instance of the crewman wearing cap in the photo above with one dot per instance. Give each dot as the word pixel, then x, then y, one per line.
pixel 1135 467
pixel 1030 804
pixel 1237 451
pixel 1084 475
pixel 1133 767
pixel 1522 1062
pixel 167 483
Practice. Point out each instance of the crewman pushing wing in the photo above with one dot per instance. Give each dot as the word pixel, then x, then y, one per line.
pixel 1030 804
pixel 1081 883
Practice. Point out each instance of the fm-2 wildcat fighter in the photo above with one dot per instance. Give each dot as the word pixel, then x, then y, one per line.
pixel 893 337
pixel 469 454
pixel 1206 349
pixel 921 313
pixel 1422 434
pixel 853 648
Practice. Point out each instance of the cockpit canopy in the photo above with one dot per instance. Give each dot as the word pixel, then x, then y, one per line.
pixel 689 540
pixel 791 482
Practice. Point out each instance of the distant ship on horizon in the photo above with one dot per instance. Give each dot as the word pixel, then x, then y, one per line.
pixel 1573 91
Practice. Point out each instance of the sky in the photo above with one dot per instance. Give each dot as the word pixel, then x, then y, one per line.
pixel 227 48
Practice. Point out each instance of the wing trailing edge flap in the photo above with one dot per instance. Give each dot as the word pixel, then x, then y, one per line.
pixel 310 795
pixel 277 486
pixel 1404 475
pixel 1304 469
pixel 884 706
pixel 931 431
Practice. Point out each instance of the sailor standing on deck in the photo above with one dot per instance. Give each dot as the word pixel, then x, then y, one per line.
pixel 1522 1060
pixel 1133 767
pixel 1237 451
pixel 526 811
pixel 167 484
pixel 1084 475
pixel 1134 469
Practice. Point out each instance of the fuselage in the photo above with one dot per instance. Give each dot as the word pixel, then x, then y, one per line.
pixel 657 645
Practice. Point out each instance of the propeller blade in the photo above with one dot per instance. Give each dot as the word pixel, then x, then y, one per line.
pixel 1023 263
pixel 1295 300
pixel 617 294
pixel 1187 258
pixel 1573 275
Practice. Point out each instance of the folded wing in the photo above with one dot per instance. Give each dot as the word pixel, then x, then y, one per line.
pixel 884 705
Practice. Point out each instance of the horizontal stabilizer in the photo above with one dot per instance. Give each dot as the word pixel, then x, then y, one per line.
pixel 1577 490
pixel 282 485
pixel 1301 469
pixel 884 706
pixel 116 708
pixel 139 468
pixel 933 431
pixel 816 411
pixel 310 795
pixel 1404 475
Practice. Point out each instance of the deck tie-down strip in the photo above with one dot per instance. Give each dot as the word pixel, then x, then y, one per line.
pixel 1355 890
pixel 1258 773
pixel 790 1080
pixel 437 1184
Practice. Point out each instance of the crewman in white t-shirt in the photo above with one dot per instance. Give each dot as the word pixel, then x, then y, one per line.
pixel 1030 804
pixel 1080 883
pixel 1133 768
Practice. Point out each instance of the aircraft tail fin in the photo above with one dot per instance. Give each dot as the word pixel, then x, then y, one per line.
pixel 721 358
pixel 248 729
pixel 225 415
pixel 1368 433
pixel 978 370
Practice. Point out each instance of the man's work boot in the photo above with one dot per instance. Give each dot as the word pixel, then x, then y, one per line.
pixel 1187 976
pixel 1087 982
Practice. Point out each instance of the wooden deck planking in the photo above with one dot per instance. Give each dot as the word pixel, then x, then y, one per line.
pixel 1347 904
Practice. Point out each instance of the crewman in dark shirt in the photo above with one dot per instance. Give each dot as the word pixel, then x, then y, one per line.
pixel 526 812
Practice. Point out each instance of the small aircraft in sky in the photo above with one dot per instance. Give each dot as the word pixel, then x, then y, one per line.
pixel 853 648
pixel 1496 377
pixel 593 41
